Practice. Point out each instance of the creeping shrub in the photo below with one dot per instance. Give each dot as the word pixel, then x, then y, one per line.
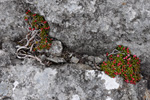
pixel 121 62
pixel 36 39
pixel 38 23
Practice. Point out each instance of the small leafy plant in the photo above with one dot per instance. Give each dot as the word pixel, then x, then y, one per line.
pixel 37 37
pixel 39 26
pixel 122 62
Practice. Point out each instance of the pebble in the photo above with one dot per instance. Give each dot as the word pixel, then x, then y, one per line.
pixel 56 59
pixel 74 60
pixel 98 60
pixel 56 48
pixel 91 58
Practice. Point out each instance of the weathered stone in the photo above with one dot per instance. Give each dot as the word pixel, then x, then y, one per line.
pixel 95 27
pixel 147 95
pixel 5 89
pixel 60 81
pixel 56 59
pixel 74 60
pixel 12 24
pixel 91 27
pixel 92 32
pixel 98 60
pixel 85 56
pixel 56 48
pixel 43 57
pixel 83 66
pixel 4 59
pixel 8 47
pixel 91 58
pixel 145 67
pixel 90 63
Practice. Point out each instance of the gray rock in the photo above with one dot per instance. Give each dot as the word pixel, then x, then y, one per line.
pixel 145 67
pixel 85 26
pixel 147 95
pixel 83 67
pixel 85 56
pixel 133 92
pixel 74 60
pixel 4 59
pixel 12 23
pixel 56 59
pixel 71 54
pixel 96 27
pixel 56 48
pixel 89 27
pixel 141 87
pixel 42 51
pixel 98 60
pixel 5 89
pixel 43 57
pixel 91 58
pixel 90 63
pixel 58 82
pixel 8 47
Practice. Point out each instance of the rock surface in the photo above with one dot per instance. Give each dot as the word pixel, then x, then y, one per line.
pixel 86 27
pixel 4 59
pixel 56 59
pixel 98 60
pixel 56 48
pixel 91 27
pixel 74 60
pixel 95 26
pixel 26 81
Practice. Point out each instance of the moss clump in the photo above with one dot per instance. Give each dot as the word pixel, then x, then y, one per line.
pixel 122 62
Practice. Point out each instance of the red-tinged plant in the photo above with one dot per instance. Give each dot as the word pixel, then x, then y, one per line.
pixel 37 37
pixel 38 23
pixel 121 62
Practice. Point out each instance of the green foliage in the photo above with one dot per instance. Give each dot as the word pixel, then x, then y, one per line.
pixel 38 22
pixel 122 63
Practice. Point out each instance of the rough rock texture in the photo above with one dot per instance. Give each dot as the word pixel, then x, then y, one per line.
pixel 56 59
pixel 90 27
pixel 85 26
pixel 98 60
pixel 56 48
pixel 94 26
pixel 74 60
pixel 4 59
pixel 26 81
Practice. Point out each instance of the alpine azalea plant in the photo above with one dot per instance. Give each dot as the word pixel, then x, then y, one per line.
pixel 38 22
pixel 37 37
pixel 121 62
